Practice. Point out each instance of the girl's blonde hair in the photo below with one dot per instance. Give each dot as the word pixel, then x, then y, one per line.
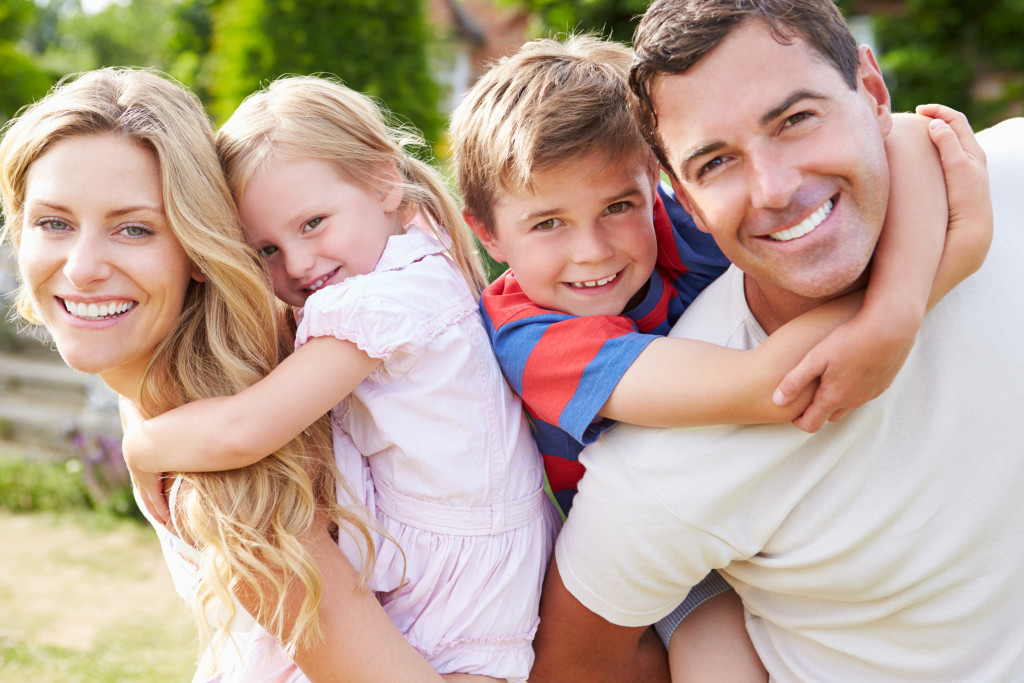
pixel 248 523
pixel 308 117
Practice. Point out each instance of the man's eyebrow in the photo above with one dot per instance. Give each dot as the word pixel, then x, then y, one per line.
pixel 766 118
pixel 776 112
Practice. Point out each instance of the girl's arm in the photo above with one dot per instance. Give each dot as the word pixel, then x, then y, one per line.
pixel 730 386
pixel 229 432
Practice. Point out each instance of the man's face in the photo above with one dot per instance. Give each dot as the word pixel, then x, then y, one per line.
pixel 582 240
pixel 780 161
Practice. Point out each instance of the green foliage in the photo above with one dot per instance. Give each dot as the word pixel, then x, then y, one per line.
pixel 964 53
pixel 21 81
pixel 37 486
pixel 615 19
pixel 376 46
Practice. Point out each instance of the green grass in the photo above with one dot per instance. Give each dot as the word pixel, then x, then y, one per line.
pixel 84 592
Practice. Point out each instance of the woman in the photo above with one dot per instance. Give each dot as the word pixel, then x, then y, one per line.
pixel 131 255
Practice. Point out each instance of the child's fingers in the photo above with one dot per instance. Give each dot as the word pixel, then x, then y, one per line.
pixel 812 419
pixel 797 379
pixel 957 122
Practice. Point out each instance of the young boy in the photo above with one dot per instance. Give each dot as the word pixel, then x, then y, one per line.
pixel 559 183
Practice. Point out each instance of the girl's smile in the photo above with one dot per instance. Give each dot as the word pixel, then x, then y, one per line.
pixel 314 226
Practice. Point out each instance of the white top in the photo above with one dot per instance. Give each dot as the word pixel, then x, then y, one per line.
pixel 888 546
pixel 248 654
pixel 450 467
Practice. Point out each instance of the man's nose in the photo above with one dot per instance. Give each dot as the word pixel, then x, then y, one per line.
pixel 772 180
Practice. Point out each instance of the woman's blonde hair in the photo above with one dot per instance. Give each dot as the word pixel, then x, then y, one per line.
pixel 309 117
pixel 248 523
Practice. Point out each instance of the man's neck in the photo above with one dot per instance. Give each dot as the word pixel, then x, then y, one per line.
pixel 773 307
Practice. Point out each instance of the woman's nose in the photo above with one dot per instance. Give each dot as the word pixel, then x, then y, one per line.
pixel 87 262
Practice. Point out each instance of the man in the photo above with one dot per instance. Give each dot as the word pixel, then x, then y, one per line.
pixel 889 545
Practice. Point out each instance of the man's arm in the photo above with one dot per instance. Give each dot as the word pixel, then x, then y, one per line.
pixel 574 644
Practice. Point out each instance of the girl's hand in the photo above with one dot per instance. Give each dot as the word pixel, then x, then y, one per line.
pixel 150 485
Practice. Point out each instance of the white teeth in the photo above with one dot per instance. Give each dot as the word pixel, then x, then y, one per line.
pixel 320 283
pixel 594 283
pixel 805 226
pixel 97 312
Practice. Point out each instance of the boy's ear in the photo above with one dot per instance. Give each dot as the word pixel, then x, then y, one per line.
pixel 484 235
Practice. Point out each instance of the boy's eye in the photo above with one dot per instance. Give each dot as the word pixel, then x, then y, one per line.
pixel 310 225
pixel 268 250
pixel 549 224
pixel 617 207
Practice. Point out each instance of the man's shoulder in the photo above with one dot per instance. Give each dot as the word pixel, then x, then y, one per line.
pixel 720 315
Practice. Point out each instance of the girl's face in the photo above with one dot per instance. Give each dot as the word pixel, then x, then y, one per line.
pixel 314 227
pixel 104 271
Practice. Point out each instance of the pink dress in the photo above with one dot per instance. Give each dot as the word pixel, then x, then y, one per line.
pixel 444 458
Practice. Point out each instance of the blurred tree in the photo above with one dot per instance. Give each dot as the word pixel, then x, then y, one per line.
pixel 21 80
pixel 968 54
pixel 376 46
pixel 615 19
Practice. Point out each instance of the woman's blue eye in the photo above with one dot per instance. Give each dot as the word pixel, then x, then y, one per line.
pixel 135 231
pixel 54 224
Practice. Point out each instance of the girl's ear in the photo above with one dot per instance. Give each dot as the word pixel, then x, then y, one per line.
pixel 197 274
pixel 391 189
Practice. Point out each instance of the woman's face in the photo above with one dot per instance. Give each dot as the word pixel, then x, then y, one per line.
pixel 105 273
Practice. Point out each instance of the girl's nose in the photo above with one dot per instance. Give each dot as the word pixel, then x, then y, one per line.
pixel 299 262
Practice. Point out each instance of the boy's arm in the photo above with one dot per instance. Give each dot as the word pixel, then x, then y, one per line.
pixel 676 382
pixel 912 270
pixel 229 432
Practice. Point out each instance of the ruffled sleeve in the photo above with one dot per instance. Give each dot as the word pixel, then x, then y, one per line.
pixel 365 311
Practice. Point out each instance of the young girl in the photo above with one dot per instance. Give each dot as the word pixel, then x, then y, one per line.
pixel 371 245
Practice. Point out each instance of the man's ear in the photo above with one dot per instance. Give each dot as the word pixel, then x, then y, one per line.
pixel 869 77
pixel 484 235
pixel 685 202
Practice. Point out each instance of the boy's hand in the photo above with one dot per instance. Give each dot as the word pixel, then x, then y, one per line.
pixel 965 167
pixel 150 485
pixel 855 364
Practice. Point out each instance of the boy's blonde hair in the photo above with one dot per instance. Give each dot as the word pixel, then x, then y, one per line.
pixel 308 117
pixel 249 523
pixel 550 103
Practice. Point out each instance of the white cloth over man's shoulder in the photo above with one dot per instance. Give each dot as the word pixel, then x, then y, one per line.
pixel 890 545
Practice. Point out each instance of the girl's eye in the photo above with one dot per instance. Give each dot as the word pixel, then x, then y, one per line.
pixel 617 207
pixel 549 224
pixel 312 224
pixel 268 250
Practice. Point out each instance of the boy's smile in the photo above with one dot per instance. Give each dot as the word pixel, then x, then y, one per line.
pixel 582 241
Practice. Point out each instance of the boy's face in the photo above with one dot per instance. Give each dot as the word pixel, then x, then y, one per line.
pixel 582 242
